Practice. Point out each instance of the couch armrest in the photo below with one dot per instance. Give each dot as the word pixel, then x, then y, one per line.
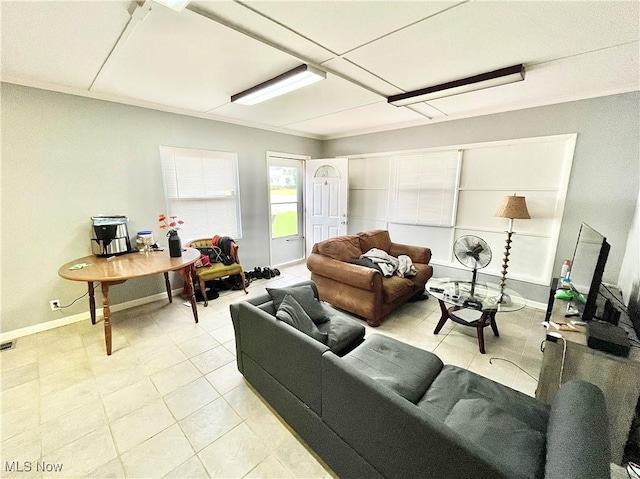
pixel 578 434
pixel 418 254
pixel 364 278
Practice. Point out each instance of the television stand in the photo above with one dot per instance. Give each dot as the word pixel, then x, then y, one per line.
pixel 618 377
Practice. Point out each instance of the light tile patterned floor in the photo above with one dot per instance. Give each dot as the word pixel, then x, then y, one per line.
pixel 170 401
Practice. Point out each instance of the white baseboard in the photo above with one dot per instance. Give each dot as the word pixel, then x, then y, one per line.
pixel 56 323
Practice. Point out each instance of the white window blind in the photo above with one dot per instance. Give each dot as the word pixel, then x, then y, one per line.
pixel 201 188
pixel 423 188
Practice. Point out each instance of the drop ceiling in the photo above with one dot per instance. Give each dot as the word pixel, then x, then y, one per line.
pixel 144 54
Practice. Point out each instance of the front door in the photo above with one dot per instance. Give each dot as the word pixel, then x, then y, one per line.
pixel 286 175
pixel 327 190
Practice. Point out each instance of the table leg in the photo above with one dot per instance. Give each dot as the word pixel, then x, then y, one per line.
pixel 443 318
pixel 480 329
pixel 92 302
pixel 191 292
pixel 494 325
pixel 168 285
pixel 107 316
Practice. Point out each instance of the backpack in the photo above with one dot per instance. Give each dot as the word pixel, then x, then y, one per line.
pixel 216 255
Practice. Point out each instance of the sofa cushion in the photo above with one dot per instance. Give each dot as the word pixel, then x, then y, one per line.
pixel 423 273
pixel 394 287
pixel 375 239
pixel 342 248
pixel 454 384
pixel 292 313
pixel 343 333
pixel 499 432
pixel 403 368
pixel 305 296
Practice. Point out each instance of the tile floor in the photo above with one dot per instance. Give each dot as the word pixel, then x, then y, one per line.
pixel 170 401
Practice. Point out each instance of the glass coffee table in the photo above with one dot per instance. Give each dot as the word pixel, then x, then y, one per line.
pixel 473 305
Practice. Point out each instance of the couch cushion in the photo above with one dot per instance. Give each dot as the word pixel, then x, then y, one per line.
pixel 342 248
pixel 454 384
pixel 423 274
pixel 305 296
pixel 343 332
pixel 394 286
pixel 494 429
pixel 403 368
pixel 375 239
pixel 292 313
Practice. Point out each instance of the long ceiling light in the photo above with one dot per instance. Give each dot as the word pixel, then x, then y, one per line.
pixel 465 85
pixel 292 80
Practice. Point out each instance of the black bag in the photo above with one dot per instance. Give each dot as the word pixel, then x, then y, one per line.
pixel 216 255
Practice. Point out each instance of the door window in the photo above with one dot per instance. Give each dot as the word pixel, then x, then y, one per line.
pixel 283 194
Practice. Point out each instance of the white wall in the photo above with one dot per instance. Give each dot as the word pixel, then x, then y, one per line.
pixel 604 182
pixel 66 158
pixel 629 279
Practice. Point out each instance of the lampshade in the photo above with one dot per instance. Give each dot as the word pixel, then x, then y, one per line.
pixel 513 207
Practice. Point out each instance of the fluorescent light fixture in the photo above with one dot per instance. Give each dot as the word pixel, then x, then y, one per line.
pixel 465 85
pixel 177 5
pixel 292 80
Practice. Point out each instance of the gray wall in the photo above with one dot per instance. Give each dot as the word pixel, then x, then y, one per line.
pixel 66 158
pixel 604 183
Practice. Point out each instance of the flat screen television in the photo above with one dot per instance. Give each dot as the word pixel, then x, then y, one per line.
pixel 587 268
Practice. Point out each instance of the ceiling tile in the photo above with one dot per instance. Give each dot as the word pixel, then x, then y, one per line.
pixel 188 61
pixel 341 26
pixel 378 116
pixel 425 109
pixel 482 36
pixel 355 73
pixel 59 42
pixel 246 20
pixel 582 76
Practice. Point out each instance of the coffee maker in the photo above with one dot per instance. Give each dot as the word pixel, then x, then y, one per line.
pixel 110 235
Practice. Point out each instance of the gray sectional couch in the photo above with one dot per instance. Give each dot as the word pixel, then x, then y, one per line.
pixel 379 408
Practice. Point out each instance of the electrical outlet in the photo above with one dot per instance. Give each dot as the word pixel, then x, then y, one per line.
pixel 55 304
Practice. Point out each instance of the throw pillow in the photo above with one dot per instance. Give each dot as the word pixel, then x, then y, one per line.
pixel 305 296
pixel 498 431
pixel 291 312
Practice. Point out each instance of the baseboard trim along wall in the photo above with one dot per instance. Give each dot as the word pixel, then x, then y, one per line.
pixel 57 323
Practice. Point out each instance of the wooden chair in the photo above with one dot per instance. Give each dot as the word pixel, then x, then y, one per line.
pixel 216 270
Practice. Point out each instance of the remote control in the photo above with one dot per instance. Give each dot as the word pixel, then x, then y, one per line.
pixel 436 290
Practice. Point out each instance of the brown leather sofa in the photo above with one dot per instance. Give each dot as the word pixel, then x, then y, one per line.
pixel 360 290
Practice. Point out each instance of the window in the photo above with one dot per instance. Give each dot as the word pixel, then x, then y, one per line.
pixel 285 197
pixel 201 188
pixel 423 188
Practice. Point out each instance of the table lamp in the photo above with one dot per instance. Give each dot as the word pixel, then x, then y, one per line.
pixel 515 208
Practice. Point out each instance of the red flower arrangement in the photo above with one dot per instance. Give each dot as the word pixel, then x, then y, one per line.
pixel 170 223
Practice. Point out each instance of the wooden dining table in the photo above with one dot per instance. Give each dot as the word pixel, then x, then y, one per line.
pixel 112 270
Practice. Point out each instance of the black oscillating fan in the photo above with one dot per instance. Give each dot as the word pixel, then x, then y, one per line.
pixel 474 253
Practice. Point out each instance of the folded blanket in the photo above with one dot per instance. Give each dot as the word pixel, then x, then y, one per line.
pixel 402 265
pixel 405 266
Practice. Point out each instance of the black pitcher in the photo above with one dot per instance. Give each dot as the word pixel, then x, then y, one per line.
pixel 175 245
